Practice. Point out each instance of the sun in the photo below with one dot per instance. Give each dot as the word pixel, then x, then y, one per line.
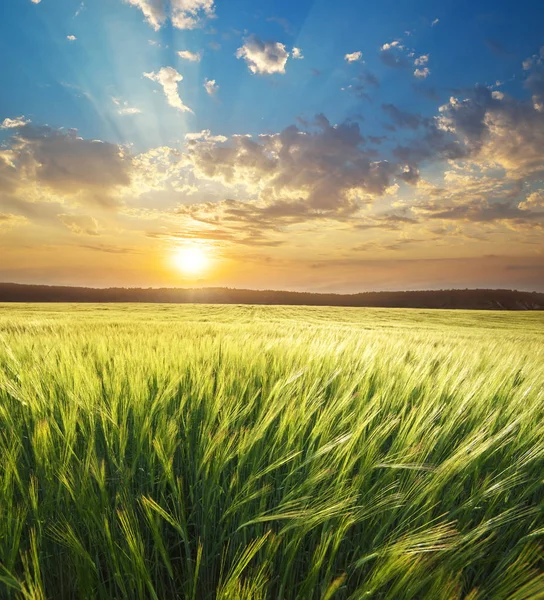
pixel 192 260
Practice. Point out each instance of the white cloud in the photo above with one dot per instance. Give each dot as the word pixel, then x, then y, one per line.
pixel 211 87
pixel 13 123
pixel 297 53
pixel 206 135
pixel 124 108
pixel 393 44
pixel 422 73
pixel 188 55
pixel 184 14
pixel 263 57
pixel 534 60
pixel 354 56
pixel 153 11
pixel 35 1
pixel 71 38
pixel 435 22
pixel 129 110
pixel 168 78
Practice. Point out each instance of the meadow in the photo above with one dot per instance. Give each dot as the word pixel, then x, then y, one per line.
pixel 245 453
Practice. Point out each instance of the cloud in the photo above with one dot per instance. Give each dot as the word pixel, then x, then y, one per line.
pixel 422 60
pixel 124 108
pixel 169 78
pixel 205 134
pixel 497 48
pixel 188 55
pixel 14 123
pixel 535 200
pixel 129 110
pixel 211 87
pixel 35 1
pixel 297 54
pixel 263 58
pixel 535 78
pixel 422 73
pixel 534 60
pixel 483 211
pixel 435 22
pixel 296 175
pixel 71 38
pixel 497 130
pixel 402 118
pixel 362 84
pixel 393 55
pixel 8 221
pixel 80 224
pixel 41 164
pixel 183 14
pixel 284 23
pixel 354 56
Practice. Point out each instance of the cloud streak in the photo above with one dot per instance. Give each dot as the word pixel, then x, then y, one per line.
pixel 168 78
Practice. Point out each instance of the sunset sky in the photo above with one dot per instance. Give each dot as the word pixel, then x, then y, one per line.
pixel 310 145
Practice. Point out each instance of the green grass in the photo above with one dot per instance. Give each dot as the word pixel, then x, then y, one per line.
pixel 241 453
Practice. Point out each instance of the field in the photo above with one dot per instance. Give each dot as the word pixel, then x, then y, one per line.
pixel 202 452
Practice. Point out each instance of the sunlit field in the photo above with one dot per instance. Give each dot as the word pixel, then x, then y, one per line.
pixel 202 452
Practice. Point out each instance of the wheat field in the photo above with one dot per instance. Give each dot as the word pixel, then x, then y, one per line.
pixel 242 452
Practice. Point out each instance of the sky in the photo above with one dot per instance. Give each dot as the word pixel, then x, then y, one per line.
pixel 312 145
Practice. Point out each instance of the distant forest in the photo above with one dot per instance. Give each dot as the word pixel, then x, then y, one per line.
pixel 462 299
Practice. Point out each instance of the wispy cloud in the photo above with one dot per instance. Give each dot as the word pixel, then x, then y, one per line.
pixel 124 108
pixel 168 78
pixel 211 87
pixel 190 56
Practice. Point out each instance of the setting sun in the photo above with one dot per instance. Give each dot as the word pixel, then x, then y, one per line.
pixel 191 260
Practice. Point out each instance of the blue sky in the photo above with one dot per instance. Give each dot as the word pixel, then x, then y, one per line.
pixel 103 67
pixel 70 84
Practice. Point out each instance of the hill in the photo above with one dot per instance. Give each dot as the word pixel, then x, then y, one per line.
pixel 484 299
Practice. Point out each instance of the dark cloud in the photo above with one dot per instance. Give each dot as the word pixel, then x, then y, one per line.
pixel 395 59
pixel 66 164
pixel 401 117
pixel 481 211
pixel 363 83
pixel 428 92
pixel 326 168
pixel 497 48
pixel 377 139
